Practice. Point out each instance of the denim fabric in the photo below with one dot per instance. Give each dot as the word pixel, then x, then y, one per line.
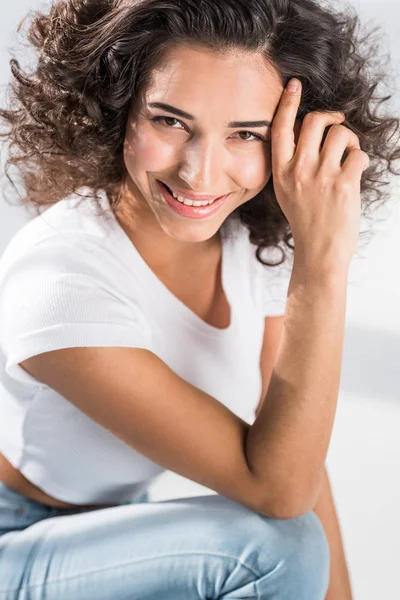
pixel 198 548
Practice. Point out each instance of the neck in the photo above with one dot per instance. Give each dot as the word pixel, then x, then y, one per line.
pixel 158 249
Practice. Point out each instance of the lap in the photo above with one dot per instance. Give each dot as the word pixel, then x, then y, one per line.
pixel 198 547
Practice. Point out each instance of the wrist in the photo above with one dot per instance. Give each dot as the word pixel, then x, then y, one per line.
pixel 320 274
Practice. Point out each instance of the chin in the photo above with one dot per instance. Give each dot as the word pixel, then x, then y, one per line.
pixel 190 232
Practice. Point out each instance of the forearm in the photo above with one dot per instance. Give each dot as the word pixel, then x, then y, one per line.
pixel 287 444
pixel 340 585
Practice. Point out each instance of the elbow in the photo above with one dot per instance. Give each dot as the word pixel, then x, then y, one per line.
pixel 289 506
pixel 283 511
pixel 291 512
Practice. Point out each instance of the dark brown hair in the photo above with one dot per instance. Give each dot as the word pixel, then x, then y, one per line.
pixel 67 117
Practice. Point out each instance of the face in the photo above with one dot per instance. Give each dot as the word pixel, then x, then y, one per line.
pixel 202 152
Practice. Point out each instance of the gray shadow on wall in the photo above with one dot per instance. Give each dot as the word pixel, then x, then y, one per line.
pixel 371 364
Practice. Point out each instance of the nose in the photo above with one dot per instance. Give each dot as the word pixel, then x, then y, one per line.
pixel 201 166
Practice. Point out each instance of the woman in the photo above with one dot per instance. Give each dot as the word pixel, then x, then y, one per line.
pixel 142 337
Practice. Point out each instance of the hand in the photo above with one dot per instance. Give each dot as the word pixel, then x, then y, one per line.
pixel 319 196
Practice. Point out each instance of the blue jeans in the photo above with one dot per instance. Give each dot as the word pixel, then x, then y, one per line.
pixel 198 548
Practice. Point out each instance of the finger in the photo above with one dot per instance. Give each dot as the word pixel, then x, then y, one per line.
pixel 312 132
pixel 282 130
pixel 338 140
pixel 297 130
pixel 354 165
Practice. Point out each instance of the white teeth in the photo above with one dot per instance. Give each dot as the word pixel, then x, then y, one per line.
pixel 190 202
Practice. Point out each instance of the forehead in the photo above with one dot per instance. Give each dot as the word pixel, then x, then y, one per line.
pixel 195 75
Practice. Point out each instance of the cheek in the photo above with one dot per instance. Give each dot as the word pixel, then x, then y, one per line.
pixel 143 151
pixel 256 171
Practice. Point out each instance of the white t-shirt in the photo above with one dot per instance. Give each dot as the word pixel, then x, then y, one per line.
pixel 71 277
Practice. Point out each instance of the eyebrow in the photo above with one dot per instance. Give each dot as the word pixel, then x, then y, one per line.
pixel 185 115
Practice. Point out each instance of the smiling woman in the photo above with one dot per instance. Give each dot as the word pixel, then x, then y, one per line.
pixel 145 340
pixel 201 156
pixel 108 79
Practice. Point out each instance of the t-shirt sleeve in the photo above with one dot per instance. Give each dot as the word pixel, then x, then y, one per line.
pixel 274 283
pixel 50 298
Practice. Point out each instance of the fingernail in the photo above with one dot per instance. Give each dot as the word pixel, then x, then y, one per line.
pixel 293 85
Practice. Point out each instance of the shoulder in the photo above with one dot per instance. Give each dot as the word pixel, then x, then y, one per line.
pixel 65 283
pixel 65 238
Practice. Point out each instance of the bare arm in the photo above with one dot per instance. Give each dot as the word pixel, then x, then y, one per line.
pixel 138 398
pixel 288 442
pixel 319 193
pixel 340 585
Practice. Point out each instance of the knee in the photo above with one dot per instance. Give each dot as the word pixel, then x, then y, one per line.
pixel 304 557
pixel 291 556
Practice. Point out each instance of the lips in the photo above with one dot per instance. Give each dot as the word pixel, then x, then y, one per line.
pixel 194 212
pixel 189 196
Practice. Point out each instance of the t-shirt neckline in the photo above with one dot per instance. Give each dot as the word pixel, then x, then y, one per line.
pixel 163 293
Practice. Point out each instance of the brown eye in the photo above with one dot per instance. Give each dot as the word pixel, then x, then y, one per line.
pixel 256 136
pixel 165 119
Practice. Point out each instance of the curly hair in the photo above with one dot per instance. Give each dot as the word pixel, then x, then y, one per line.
pixel 67 117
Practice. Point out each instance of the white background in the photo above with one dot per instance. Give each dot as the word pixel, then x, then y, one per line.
pixel 364 454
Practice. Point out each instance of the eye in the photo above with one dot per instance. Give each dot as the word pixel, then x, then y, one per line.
pixel 159 119
pixel 256 136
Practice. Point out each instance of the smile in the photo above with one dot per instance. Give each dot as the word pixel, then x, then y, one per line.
pixel 190 208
